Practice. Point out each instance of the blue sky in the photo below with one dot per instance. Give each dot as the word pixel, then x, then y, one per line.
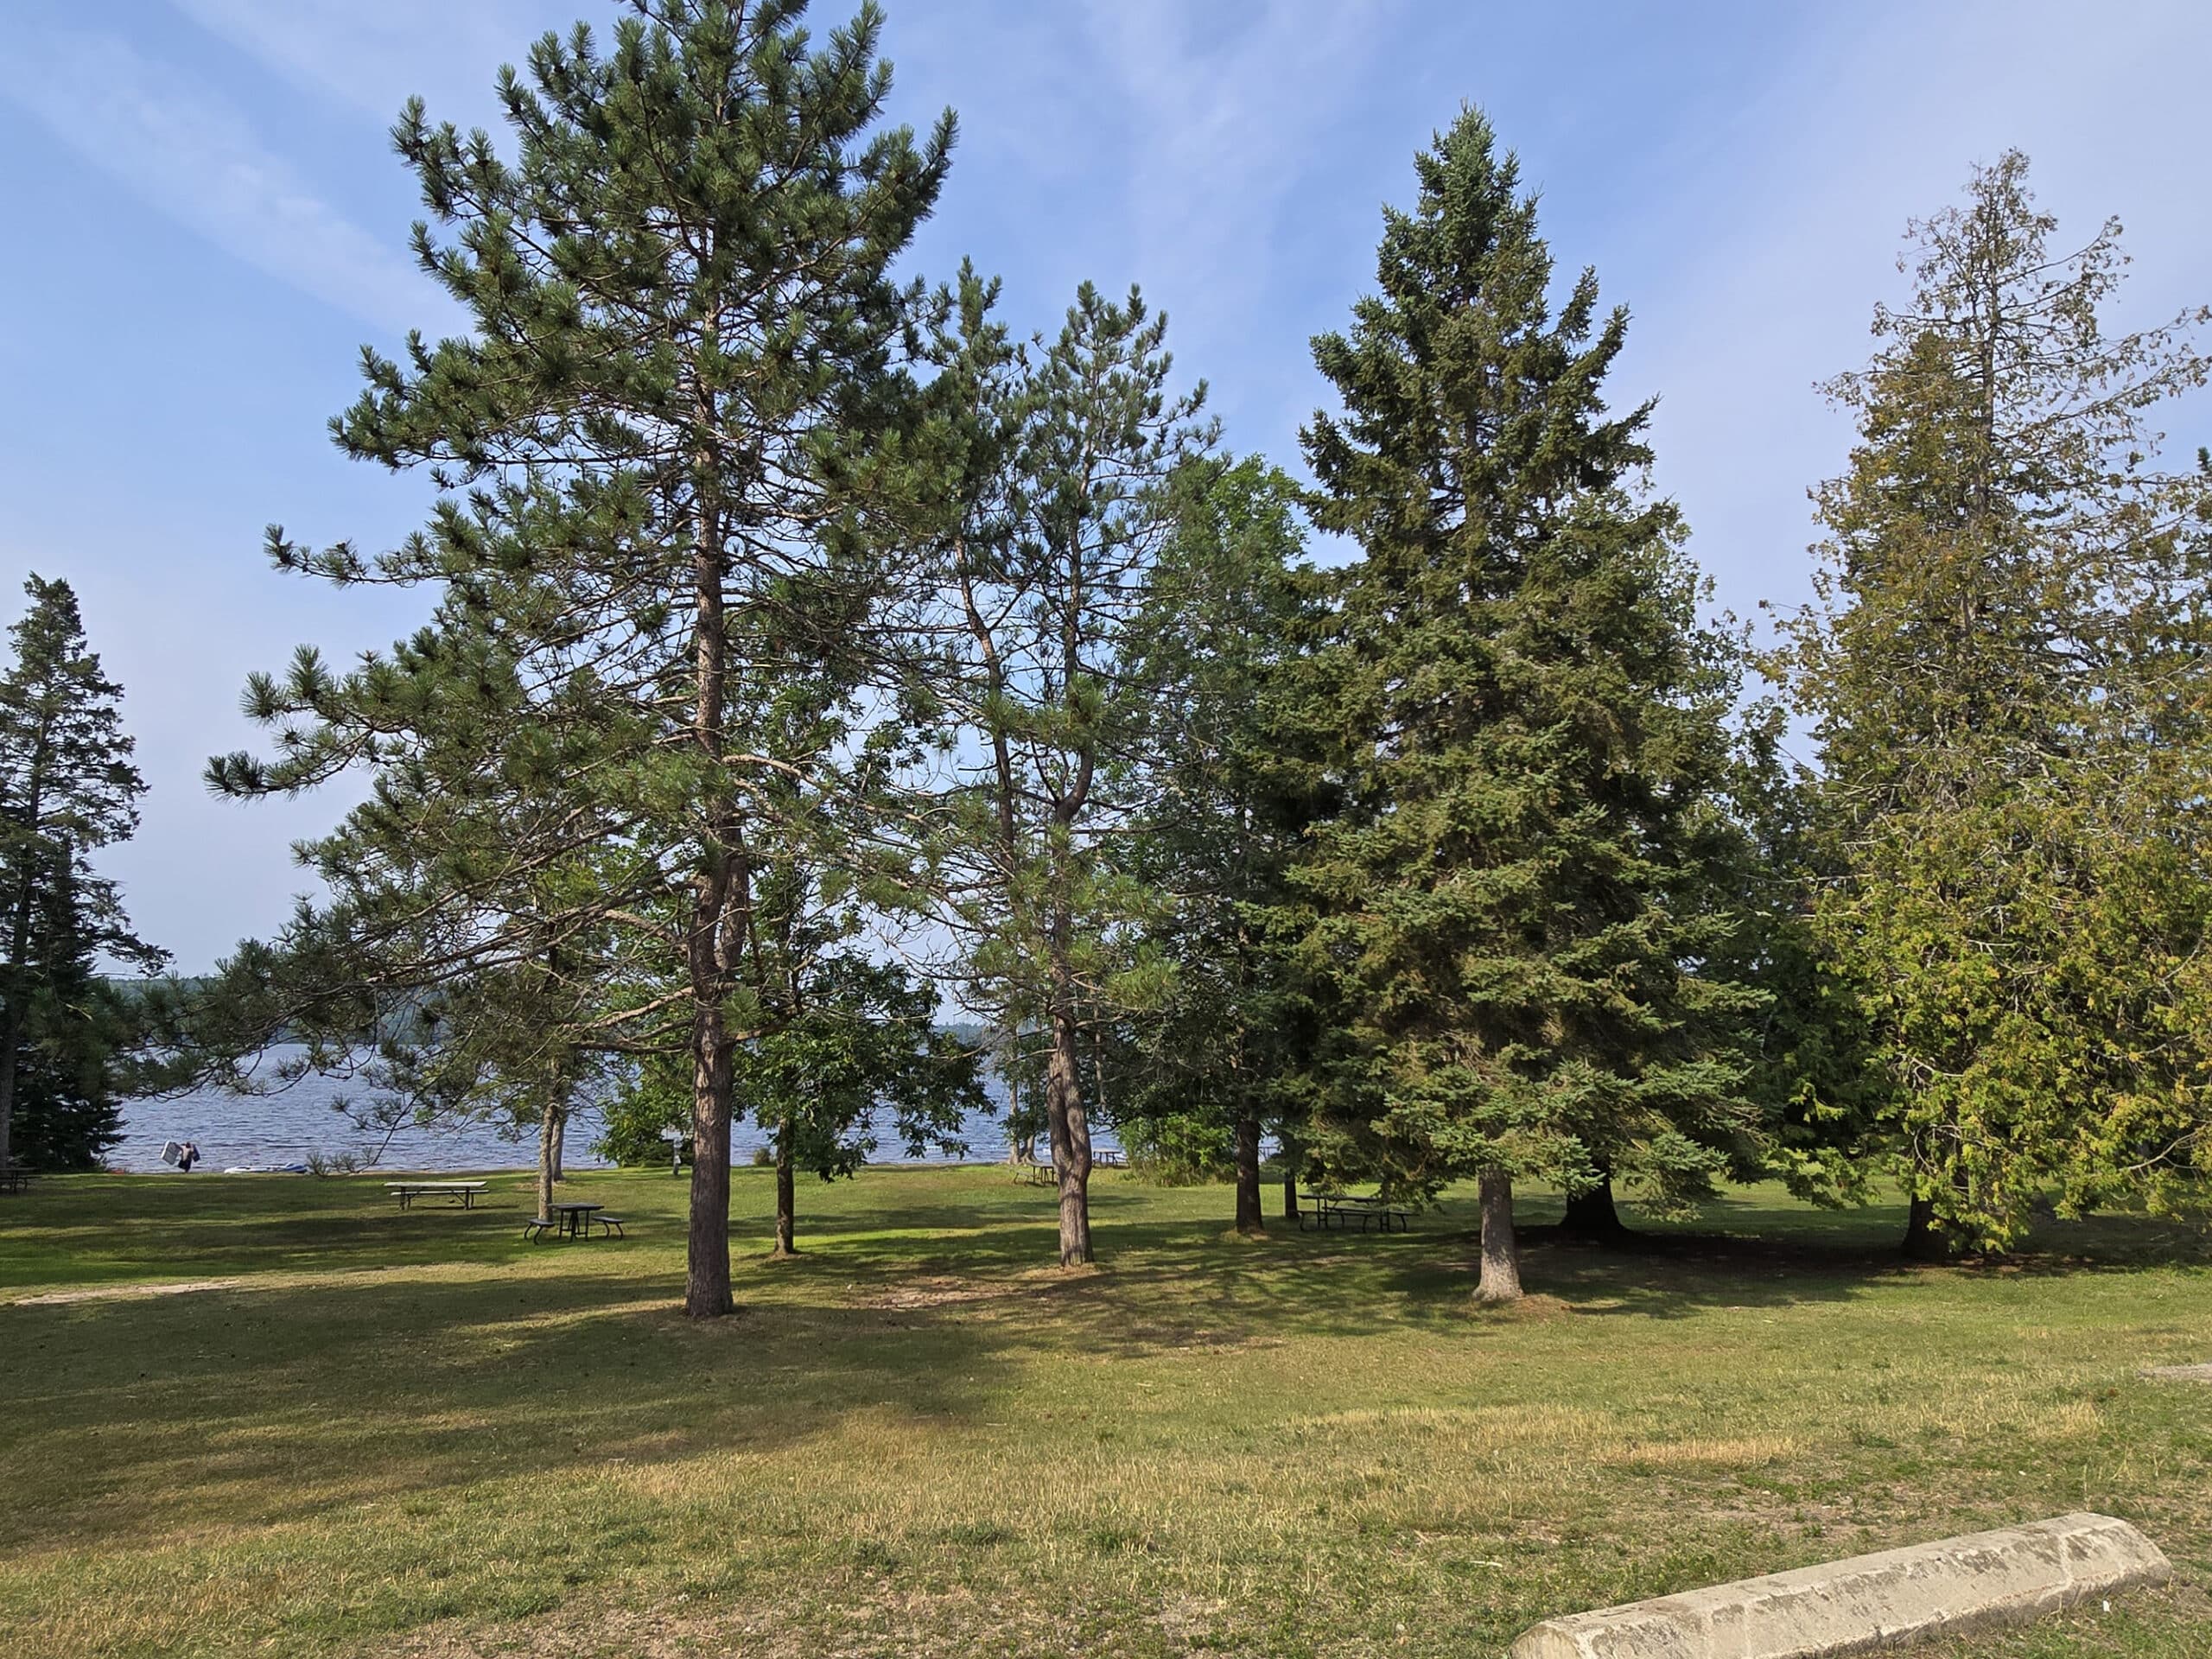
pixel 206 224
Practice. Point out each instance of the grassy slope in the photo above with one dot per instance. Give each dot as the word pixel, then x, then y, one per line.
pixel 414 1434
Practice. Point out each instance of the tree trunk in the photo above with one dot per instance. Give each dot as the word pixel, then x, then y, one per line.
pixel 549 1154
pixel 708 954
pixel 1590 1215
pixel 706 1276
pixel 560 1143
pixel 1249 1221
pixel 1501 1280
pixel 1923 1237
pixel 19 951
pixel 1070 1141
pixel 786 1197
pixel 1290 1164
pixel 11 1041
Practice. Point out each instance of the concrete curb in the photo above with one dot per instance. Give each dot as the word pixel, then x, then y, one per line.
pixel 2006 1577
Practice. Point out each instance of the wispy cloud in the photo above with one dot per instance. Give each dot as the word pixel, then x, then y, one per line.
pixel 195 156
pixel 374 56
pixel 1228 110
pixel 1756 270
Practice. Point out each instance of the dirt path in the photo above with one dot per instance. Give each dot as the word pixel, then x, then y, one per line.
pixel 107 1293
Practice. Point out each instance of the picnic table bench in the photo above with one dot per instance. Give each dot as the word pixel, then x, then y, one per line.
pixel 1338 1210
pixel 461 1192
pixel 13 1178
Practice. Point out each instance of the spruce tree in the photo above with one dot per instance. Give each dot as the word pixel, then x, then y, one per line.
pixel 1226 801
pixel 67 788
pixel 2005 669
pixel 1526 724
pixel 665 459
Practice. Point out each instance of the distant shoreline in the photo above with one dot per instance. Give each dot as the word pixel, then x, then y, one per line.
pixel 395 1172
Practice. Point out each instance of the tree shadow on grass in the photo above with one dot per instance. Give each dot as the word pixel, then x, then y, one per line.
pixel 1771 1256
pixel 264 1405
pixel 916 1305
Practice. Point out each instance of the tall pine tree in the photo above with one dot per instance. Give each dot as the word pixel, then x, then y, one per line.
pixel 1057 466
pixel 1528 725
pixel 663 451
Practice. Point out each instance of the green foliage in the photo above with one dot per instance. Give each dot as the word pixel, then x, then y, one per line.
pixel 2005 666
pixel 864 1042
pixel 1061 514
pixel 70 1042
pixel 1053 512
pixel 1814 1073
pixel 1525 722
pixel 1226 798
pixel 670 454
pixel 1178 1148
pixel 648 1100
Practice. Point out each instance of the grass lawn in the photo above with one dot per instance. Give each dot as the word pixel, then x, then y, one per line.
pixel 379 1433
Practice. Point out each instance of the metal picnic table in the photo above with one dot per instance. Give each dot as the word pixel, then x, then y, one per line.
pixel 574 1217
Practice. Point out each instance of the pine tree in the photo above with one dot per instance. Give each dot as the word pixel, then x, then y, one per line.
pixel 2005 666
pixel 1527 721
pixel 666 449
pixel 67 788
pixel 1057 466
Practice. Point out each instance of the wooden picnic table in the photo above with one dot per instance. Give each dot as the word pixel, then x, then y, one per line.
pixel 13 1178
pixel 1047 1175
pixel 463 1192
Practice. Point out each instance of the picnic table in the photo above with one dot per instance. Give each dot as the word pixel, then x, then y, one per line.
pixel 13 1178
pixel 573 1218
pixel 1047 1175
pixel 1342 1209
pixel 461 1192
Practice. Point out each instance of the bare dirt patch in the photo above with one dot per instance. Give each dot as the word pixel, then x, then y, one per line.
pixel 109 1293
pixel 941 1293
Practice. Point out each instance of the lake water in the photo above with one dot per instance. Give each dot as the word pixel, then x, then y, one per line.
pixel 248 1130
